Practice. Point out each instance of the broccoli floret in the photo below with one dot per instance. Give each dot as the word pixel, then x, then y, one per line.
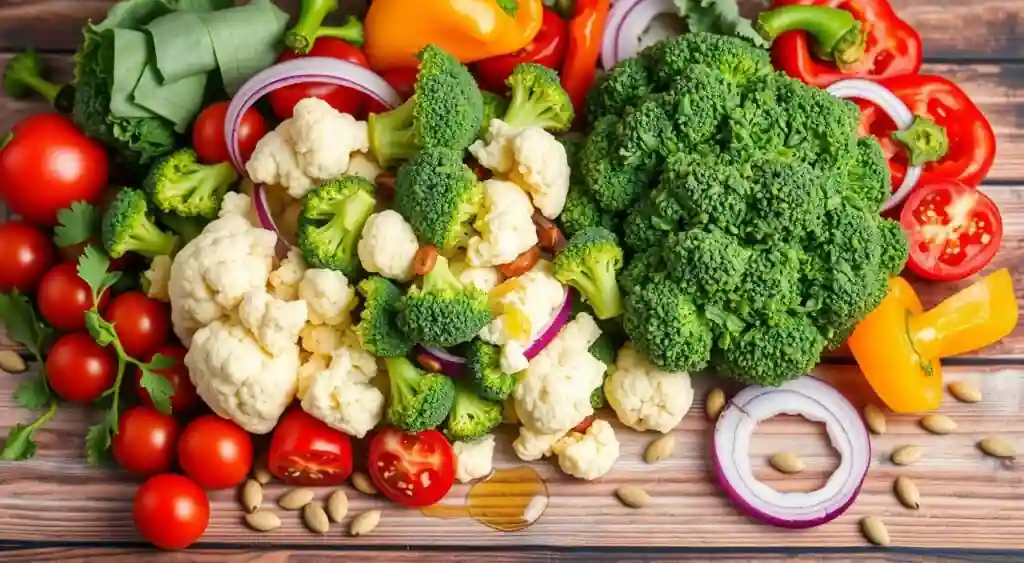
pixel 738 60
pixel 786 200
pixel 867 181
pixel 617 89
pixel 894 248
pixel 666 326
pixel 439 195
pixel 378 328
pixel 445 112
pixel 23 75
pixel 443 311
pixel 471 417
pixel 187 228
pixel 771 354
pixel 495 107
pixel 309 28
pixel 707 263
pixel 178 183
pixel 770 285
pixel 647 225
pixel 128 227
pixel 645 132
pixel 590 263
pixel 538 99
pixel 701 98
pixel 419 400
pixel 582 212
pixel 645 265
pixel 614 186
pixel 484 365
pixel 331 221
pixel 702 191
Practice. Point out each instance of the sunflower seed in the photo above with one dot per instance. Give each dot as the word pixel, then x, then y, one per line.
pixel 997 446
pixel 252 496
pixel 875 419
pixel 714 403
pixel 337 505
pixel 938 424
pixel 314 517
pixel 363 484
pixel 295 499
pixel 660 449
pixel 965 391
pixel 906 455
pixel 874 530
pixel 263 521
pixel 787 462
pixel 364 523
pixel 907 493
pixel 11 362
pixel 633 496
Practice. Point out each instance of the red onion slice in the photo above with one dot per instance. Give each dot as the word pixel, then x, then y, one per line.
pixel 451 365
pixel 259 202
pixel 627 21
pixel 816 401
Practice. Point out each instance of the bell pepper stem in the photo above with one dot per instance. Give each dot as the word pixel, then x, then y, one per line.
pixel 925 141
pixel 838 36
pixel 301 37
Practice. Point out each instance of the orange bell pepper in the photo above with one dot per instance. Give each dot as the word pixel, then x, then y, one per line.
pixel 471 30
pixel 898 345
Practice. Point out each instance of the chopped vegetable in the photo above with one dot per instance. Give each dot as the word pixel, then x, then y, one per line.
pixel 442 311
pixel 439 196
pixel 331 221
pixel 179 184
pixel 547 48
pixel 128 227
pixel 486 376
pixel 378 328
pixel 538 99
pixel 419 400
pixel 590 263
pixel 472 417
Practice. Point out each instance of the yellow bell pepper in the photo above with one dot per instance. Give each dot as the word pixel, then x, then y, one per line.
pixel 470 30
pixel 898 345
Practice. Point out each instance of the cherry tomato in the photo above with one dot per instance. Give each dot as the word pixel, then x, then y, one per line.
pixel 171 511
pixel 184 399
pixel 208 133
pixel 25 255
pixel 78 369
pixel 412 469
pixel 142 324
pixel 403 80
pixel 954 230
pixel 345 100
pixel 47 164
pixel 215 452
pixel 64 298
pixel 304 451
pixel 547 49
pixel 145 441
pixel 583 425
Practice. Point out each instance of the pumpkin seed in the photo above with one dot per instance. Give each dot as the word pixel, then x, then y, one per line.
pixel 633 496
pixel 714 403
pixel 260 473
pixel 11 362
pixel 874 530
pixel 263 521
pixel 252 496
pixel 965 391
pixel 363 484
pixel 295 499
pixel 997 446
pixel 906 455
pixel 875 419
pixel 907 493
pixel 364 523
pixel 787 462
pixel 337 505
pixel 660 449
pixel 938 424
pixel 314 517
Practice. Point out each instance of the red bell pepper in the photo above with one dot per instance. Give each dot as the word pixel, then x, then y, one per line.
pixel 970 139
pixel 818 42
pixel 546 49
pixel 586 31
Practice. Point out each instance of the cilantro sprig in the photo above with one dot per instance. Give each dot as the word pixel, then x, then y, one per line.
pixel 23 326
pixel 77 224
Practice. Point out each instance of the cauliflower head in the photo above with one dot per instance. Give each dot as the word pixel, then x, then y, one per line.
pixel 329 296
pixel 590 455
pixel 645 397
pixel 284 281
pixel 388 245
pixel 522 308
pixel 474 460
pixel 343 396
pixel 158 277
pixel 505 225
pixel 274 323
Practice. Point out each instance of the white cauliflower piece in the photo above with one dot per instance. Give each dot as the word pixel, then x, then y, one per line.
pixel 284 281
pixel 533 446
pixel 474 460
pixel 505 225
pixel 553 394
pixel 364 166
pixel 388 245
pixel 484 279
pixel 238 379
pixel 591 455
pixel 329 296
pixel 322 339
pixel 494 151
pixel 522 308
pixel 275 323
pixel 308 371
pixel 274 162
pixel 158 276
pixel 645 397
pixel 343 396
pixel 235 203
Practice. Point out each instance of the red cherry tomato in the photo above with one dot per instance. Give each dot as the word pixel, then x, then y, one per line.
pixel 184 399
pixel 25 255
pixel 64 298
pixel 954 230
pixel 78 369
pixel 215 452
pixel 170 511
pixel 47 164
pixel 142 324
pixel 547 49
pixel 306 452
pixel 345 100
pixel 412 469
pixel 145 441
pixel 208 133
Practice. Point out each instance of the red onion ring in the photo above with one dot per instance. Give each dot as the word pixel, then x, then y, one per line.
pixel 815 401
pixel 266 219
pixel 627 21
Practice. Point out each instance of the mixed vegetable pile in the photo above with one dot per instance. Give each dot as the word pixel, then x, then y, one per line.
pixel 450 216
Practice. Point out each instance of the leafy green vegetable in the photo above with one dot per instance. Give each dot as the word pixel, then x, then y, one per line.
pixel 718 16
pixel 76 224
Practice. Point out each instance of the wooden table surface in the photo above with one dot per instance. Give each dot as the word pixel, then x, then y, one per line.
pixel 55 508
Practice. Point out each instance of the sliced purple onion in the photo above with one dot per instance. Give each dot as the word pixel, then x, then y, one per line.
pixel 266 219
pixel 627 21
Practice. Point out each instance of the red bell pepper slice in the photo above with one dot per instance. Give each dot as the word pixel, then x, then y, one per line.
pixel 586 31
pixel 546 49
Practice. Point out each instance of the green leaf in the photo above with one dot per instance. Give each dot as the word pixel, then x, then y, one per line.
pixel 19 444
pixel 93 268
pixel 99 329
pixel 77 224
pixel 718 16
pixel 159 387
pixel 23 326
pixel 160 362
pixel 33 393
pixel 97 442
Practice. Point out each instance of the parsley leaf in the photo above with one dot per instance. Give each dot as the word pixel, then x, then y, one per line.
pixel 93 268
pixel 718 16
pixel 160 388
pixel 97 440
pixel 78 224
pixel 20 443
pixel 22 324
pixel 33 393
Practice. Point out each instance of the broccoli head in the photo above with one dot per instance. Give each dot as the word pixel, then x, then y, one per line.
pixel 590 262
pixel 645 265
pixel 484 366
pixel 495 107
pixel 471 417
pixel 617 89
pixel 538 99
pixel 867 180
pixel 378 328
pixel 666 326
pixel 443 311
pixel 439 195
pixel 701 97
pixel 710 264
pixel 419 400
pixel 582 212
pixel 179 184
pixel 738 60
pixel 444 112
pixel 128 227
pixel 331 221
pixel 771 354
pixel 614 186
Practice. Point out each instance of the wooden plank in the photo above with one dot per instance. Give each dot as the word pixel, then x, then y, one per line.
pixel 970 501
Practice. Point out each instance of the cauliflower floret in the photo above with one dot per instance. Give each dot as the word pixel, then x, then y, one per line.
pixel 284 281
pixel 364 166
pixel 591 455
pixel 505 225
pixel 235 203
pixel 158 276
pixel 307 372
pixel 329 296
pixel 274 323
pixel 343 397
pixel 325 340
pixel 484 279
pixel 645 397
pixel 553 394
pixel 494 151
pixel 522 307
pixel 533 446
pixel 474 460
pixel 388 245
pixel 274 162
pixel 238 379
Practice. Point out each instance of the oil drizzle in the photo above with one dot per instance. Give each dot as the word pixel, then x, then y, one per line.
pixel 509 500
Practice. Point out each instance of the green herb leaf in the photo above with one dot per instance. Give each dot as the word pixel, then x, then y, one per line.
pixel 100 330
pixel 93 268
pixel 19 318
pixel 160 362
pixel 718 16
pixel 33 393
pixel 78 224
pixel 160 389
pixel 19 444
pixel 97 441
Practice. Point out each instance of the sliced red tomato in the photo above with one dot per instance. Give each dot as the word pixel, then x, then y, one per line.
pixel 414 470
pixel 954 230
pixel 306 452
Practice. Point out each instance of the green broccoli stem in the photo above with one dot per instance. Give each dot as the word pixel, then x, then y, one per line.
pixel 441 278
pixel 601 291
pixel 391 134
pixel 925 141
pixel 838 36
pixel 403 377
pixel 148 240
pixel 309 28
pixel 349 218
pixel 23 74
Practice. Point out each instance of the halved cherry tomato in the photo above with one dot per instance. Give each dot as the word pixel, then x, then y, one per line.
pixel 306 452
pixel 403 80
pixel 547 49
pixel 954 230
pixel 184 399
pixel 414 470
pixel 345 100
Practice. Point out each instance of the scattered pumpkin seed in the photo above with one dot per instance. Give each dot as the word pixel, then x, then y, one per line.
pixel 11 362
pixel 295 499
pixel 337 505
pixel 787 462
pixel 660 449
pixel 874 530
pixel 263 521
pixel 714 403
pixel 906 455
pixel 938 424
pixel 907 493
pixel 314 517
pixel 252 496
pixel 875 419
pixel 260 473
pixel 361 481
pixel 633 496
pixel 364 523
pixel 997 446
pixel 965 391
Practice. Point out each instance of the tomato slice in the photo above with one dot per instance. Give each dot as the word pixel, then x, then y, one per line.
pixel 954 230
pixel 414 470
pixel 306 452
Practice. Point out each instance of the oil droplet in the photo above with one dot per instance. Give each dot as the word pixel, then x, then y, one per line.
pixel 509 500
